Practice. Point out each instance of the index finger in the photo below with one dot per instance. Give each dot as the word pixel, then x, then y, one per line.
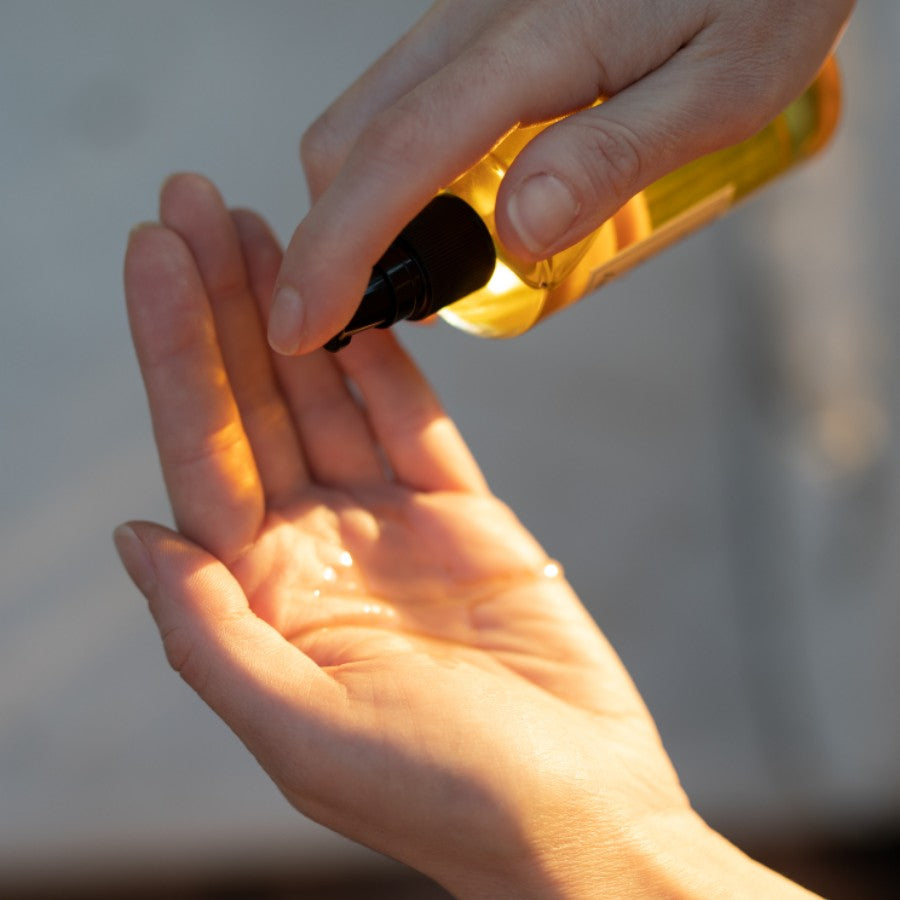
pixel 405 155
pixel 208 465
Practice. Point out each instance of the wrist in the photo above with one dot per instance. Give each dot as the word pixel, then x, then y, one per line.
pixel 683 857
pixel 673 854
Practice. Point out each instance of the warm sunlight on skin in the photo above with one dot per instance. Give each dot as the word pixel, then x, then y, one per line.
pixel 396 650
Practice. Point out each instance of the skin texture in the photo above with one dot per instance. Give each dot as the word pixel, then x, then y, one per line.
pixel 394 648
pixel 683 78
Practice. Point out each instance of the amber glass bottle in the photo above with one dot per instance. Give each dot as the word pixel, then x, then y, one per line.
pixel 519 296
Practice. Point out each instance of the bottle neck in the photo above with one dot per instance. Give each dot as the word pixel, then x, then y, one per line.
pixel 398 289
pixel 445 253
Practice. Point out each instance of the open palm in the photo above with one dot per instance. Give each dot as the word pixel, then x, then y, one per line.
pixel 344 590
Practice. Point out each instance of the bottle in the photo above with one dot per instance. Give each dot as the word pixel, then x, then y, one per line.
pixel 448 260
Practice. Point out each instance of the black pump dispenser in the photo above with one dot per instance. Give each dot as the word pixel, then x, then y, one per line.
pixel 445 253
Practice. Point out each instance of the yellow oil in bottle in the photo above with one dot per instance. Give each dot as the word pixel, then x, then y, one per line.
pixel 519 295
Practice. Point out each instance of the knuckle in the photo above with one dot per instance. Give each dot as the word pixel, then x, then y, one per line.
pixel 747 78
pixel 321 148
pixel 227 287
pixel 193 452
pixel 396 136
pixel 492 60
pixel 611 160
pixel 741 107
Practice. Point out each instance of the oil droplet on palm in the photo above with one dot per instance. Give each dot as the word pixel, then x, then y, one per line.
pixel 553 569
pixel 343 592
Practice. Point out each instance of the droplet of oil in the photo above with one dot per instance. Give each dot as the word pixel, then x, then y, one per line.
pixel 553 569
pixel 379 609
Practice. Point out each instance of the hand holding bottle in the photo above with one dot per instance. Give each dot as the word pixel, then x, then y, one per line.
pixel 684 78
pixel 345 592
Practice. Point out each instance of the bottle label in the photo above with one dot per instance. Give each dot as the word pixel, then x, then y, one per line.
pixel 700 214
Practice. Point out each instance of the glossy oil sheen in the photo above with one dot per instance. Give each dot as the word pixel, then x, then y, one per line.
pixel 519 295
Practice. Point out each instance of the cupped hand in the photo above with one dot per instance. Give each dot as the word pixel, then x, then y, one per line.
pixel 396 650
pixel 683 78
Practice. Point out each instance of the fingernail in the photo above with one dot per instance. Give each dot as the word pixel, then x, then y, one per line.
pixel 141 226
pixel 135 558
pixel 286 321
pixel 541 211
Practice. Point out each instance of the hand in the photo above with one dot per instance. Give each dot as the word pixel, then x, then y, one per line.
pixel 344 591
pixel 684 78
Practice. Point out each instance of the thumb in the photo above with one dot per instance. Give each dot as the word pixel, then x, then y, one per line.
pixel 577 173
pixel 238 664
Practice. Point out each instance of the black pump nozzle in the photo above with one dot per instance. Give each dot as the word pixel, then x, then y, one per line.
pixel 445 253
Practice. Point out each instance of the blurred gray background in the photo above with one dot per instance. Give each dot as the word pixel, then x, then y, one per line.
pixel 709 445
